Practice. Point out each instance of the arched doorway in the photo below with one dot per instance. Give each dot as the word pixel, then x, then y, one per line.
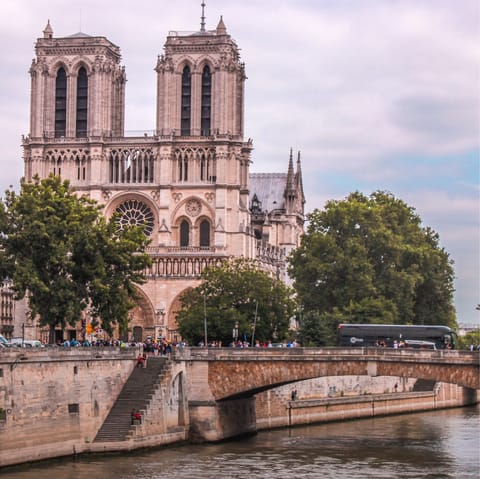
pixel 137 334
pixel 142 319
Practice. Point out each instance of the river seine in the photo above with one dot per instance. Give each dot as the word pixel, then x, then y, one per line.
pixel 433 445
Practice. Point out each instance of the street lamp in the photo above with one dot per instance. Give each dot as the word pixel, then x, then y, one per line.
pixel 235 332
pixel 205 319
pixel 160 313
pixel 254 323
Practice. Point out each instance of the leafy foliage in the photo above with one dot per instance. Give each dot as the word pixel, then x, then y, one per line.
pixel 368 260
pixel 58 247
pixel 471 338
pixel 236 291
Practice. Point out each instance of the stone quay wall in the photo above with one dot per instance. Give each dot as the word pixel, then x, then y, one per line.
pixel 53 401
pixel 350 397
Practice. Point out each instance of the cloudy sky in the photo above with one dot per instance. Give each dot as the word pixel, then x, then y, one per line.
pixel 377 94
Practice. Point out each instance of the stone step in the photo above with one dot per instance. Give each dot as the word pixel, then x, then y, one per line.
pixel 136 394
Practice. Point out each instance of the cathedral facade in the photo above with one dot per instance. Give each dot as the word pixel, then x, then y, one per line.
pixel 188 182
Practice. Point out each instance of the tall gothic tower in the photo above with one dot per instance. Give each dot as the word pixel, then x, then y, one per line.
pixel 188 182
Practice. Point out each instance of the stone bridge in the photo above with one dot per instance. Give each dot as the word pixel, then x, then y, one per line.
pixel 222 382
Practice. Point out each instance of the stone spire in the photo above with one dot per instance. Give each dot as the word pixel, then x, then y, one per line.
pixel 202 23
pixel 48 32
pixel 298 174
pixel 299 183
pixel 221 28
pixel 290 175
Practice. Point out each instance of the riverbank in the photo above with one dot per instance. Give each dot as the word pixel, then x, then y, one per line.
pixel 53 403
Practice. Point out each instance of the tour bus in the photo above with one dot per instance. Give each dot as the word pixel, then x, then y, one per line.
pixel 368 335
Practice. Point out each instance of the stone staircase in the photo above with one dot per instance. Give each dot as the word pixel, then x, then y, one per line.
pixel 136 394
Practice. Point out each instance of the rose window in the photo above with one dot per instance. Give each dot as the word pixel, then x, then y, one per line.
pixel 137 213
pixel 193 207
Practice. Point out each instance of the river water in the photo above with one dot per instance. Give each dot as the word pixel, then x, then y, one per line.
pixel 434 445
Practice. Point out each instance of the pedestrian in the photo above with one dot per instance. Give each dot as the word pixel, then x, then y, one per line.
pixel 135 416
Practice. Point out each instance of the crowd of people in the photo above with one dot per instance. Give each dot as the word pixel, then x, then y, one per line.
pixel 246 344
pixel 165 347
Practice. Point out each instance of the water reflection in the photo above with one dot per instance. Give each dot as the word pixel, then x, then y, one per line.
pixel 442 444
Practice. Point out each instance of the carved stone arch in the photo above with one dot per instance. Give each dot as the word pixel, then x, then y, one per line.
pixel 183 62
pixel 207 60
pixel 201 218
pixel 49 155
pixel 178 154
pixel 180 208
pixel 142 315
pixel 135 208
pixel 171 320
pixel 61 62
pixel 79 62
pixel 189 153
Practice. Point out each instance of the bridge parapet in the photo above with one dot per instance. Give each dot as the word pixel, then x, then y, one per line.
pixel 330 354
pixel 14 356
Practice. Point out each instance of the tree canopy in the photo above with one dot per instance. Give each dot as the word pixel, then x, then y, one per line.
pixel 369 260
pixel 236 292
pixel 58 247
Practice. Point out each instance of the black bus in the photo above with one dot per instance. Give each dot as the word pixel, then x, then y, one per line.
pixel 387 335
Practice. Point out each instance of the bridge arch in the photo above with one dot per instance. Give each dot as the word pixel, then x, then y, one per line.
pixel 252 371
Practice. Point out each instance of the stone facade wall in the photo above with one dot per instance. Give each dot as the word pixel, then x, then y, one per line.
pixel 165 171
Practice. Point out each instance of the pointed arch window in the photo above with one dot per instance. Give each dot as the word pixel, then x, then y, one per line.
pixel 60 103
pixel 203 168
pixel 183 169
pixel 186 113
pixel 205 234
pixel 206 100
pixel 184 234
pixel 82 103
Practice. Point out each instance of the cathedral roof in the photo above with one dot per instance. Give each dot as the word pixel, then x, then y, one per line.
pixel 79 35
pixel 269 189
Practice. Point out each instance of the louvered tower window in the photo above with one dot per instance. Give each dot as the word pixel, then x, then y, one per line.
pixel 186 101
pixel 206 100
pixel 82 99
pixel 60 103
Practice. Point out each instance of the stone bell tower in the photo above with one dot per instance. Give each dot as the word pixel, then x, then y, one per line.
pixel 77 99
pixel 200 98
pixel 78 87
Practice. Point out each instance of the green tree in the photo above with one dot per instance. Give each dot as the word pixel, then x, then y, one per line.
pixel 471 338
pixel 236 292
pixel 369 260
pixel 58 247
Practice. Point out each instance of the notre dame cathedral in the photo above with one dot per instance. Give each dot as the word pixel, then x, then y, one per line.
pixel 188 181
